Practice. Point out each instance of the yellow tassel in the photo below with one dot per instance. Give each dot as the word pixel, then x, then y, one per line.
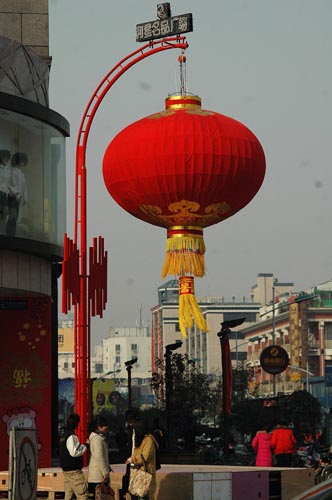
pixel 185 249
pixel 189 310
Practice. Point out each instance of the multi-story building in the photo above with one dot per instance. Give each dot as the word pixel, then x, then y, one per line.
pixel 66 362
pixel 107 364
pixel 204 347
pixel 66 365
pixel 302 325
pixel 124 344
pixel 32 224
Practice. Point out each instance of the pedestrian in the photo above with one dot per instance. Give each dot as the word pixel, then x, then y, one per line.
pixel 144 451
pixel 262 446
pixel 283 444
pixel 99 467
pixel 71 460
pixel 131 416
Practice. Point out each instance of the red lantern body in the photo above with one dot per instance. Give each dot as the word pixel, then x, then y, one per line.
pixel 184 169
pixel 184 166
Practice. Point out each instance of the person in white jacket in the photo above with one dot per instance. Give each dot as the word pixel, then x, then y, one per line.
pixel 99 467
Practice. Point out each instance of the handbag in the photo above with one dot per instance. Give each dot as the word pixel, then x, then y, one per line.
pixel 104 492
pixel 140 481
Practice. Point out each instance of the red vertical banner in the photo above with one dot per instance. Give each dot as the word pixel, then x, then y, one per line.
pixel 25 372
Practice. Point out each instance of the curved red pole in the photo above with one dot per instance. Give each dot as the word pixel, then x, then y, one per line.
pixel 82 315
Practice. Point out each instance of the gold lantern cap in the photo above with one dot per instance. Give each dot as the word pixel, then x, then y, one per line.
pixel 183 101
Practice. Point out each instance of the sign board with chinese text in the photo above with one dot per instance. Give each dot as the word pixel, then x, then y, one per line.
pixel 25 372
pixel 165 25
pixel 274 359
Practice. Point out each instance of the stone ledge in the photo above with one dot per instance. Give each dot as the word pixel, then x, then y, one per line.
pixel 193 482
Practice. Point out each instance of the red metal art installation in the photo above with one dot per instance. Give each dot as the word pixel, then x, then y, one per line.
pixel 85 288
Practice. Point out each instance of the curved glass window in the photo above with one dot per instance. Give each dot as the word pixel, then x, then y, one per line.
pixel 32 179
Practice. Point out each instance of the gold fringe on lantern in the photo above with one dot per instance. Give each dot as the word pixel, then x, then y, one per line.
pixel 185 249
pixel 189 310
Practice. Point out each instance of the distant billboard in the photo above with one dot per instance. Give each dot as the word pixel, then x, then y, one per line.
pixel 102 390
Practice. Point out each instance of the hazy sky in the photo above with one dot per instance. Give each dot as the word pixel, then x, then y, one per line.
pixel 266 63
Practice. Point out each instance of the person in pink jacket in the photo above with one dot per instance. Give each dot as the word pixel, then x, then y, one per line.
pixel 262 446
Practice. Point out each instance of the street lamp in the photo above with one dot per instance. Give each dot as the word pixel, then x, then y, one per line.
pixel 84 279
pixel 129 365
pixel 169 386
pixel 226 366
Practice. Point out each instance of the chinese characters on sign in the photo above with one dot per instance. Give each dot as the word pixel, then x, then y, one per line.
pixel 21 378
pixel 164 26
pixel 13 305
pixel 274 359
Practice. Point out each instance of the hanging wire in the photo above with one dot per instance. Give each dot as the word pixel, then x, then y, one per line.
pixel 182 63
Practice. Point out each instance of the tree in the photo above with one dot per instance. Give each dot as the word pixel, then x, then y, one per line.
pixel 193 396
pixel 304 411
pixel 300 409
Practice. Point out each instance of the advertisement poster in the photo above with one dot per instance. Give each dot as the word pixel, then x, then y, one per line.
pixel 25 372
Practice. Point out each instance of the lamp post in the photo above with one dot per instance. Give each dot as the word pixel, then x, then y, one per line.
pixel 226 366
pixel 129 365
pixel 169 387
pixel 84 269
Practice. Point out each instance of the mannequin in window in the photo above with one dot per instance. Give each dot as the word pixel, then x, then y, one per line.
pixel 17 191
pixel 5 172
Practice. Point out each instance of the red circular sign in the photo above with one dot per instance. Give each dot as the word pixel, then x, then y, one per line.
pixel 27 469
pixel 274 359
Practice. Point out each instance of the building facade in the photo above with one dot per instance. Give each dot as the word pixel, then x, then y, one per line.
pixel 204 347
pixel 302 325
pixel 108 370
pixel 32 224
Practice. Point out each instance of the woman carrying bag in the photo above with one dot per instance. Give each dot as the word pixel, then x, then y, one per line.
pixel 142 462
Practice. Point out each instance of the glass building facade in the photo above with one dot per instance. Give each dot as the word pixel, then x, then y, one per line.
pixel 32 174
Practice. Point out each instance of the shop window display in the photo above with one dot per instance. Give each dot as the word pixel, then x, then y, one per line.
pixel 32 179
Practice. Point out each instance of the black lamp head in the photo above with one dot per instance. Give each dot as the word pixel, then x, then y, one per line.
pixel 131 362
pixel 172 347
pixel 231 323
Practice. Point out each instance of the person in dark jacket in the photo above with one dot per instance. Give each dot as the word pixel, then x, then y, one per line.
pixel 71 460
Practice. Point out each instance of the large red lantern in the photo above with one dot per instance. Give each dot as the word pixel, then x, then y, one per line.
pixel 184 168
